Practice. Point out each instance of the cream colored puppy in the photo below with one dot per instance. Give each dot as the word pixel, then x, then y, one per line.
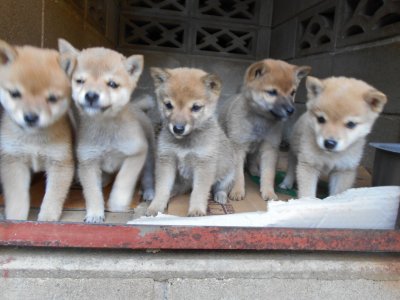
pixel 114 136
pixel 35 131
pixel 330 137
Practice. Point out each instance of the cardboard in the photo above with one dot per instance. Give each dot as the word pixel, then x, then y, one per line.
pixel 75 204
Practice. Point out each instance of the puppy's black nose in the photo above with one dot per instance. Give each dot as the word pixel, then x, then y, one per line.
pixel 290 110
pixel 31 118
pixel 330 144
pixel 92 97
pixel 179 129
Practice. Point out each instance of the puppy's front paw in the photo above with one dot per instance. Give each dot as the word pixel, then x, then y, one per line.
pixel 148 194
pixel 237 194
pixel 268 195
pixel 196 212
pixel 94 219
pixel 48 217
pixel 153 210
pixel 220 197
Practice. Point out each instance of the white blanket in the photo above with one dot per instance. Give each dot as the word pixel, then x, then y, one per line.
pixel 361 208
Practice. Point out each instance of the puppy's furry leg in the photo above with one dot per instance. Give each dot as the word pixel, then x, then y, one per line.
pixel 125 182
pixel 147 180
pixel 165 173
pixel 59 178
pixel 90 178
pixel 288 181
pixel 340 181
pixel 253 163
pixel 269 159
pixel 307 180
pixel 238 190
pixel 203 178
pixel 222 187
pixel 16 178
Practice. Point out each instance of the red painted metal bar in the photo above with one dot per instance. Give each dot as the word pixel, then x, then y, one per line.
pixel 210 238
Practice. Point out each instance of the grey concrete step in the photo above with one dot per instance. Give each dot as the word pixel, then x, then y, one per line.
pixel 82 274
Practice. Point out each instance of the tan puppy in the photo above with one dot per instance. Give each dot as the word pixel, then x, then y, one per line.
pixel 329 138
pixel 114 136
pixel 193 151
pixel 35 132
pixel 253 119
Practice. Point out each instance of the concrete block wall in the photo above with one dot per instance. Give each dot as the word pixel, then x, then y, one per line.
pixel 41 22
pixel 326 34
pixel 187 38
pixel 344 38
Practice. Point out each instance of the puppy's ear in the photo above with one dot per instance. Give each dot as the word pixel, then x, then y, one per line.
pixel 301 71
pixel 7 53
pixel 376 100
pixel 314 87
pixel 67 63
pixel 255 71
pixel 66 48
pixel 160 76
pixel 213 83
pixel 134 66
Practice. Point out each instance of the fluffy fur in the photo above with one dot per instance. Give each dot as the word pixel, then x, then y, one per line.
pixel 253 119
pixel 329 138
pixel 35 131
pixel 193 151
pixel 113 135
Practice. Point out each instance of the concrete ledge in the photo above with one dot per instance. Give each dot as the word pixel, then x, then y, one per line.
pixel 70 263
pixel 80 274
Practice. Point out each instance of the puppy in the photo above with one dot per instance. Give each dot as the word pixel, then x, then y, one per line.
pixel 329 138
pixel 113 135
pixel 193 151
pixel 253 119
pixel 35 132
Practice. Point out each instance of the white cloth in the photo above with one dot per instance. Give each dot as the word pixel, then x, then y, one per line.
pixel 360 208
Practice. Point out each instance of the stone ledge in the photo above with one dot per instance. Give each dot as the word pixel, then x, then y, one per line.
pixel 75 264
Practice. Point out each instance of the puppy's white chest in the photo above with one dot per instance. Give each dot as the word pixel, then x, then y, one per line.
pixel 37 164
pixel 185 168
pixel 112 163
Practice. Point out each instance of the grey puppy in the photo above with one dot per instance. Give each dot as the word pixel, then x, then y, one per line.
pixel 253 119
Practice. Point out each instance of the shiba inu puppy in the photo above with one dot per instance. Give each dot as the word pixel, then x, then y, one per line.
pixel 253 119
pixel 193 151
pixel 35 131
pixel 329 138
pixel 113 135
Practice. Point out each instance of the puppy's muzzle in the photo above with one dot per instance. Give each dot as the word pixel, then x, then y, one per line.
pixel 282 110
pixel 330 144
pixel 178 129
pixel 92 98
pixel 31 119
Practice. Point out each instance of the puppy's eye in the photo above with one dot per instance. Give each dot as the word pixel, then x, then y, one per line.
pixel 168 105
pixel 196 108
pixel 80 81
pixel 15 94
pixel 351 124
pixel 272 92
pixel 52 98
pixel 112 84
pixel 321 120
pixel 293 93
